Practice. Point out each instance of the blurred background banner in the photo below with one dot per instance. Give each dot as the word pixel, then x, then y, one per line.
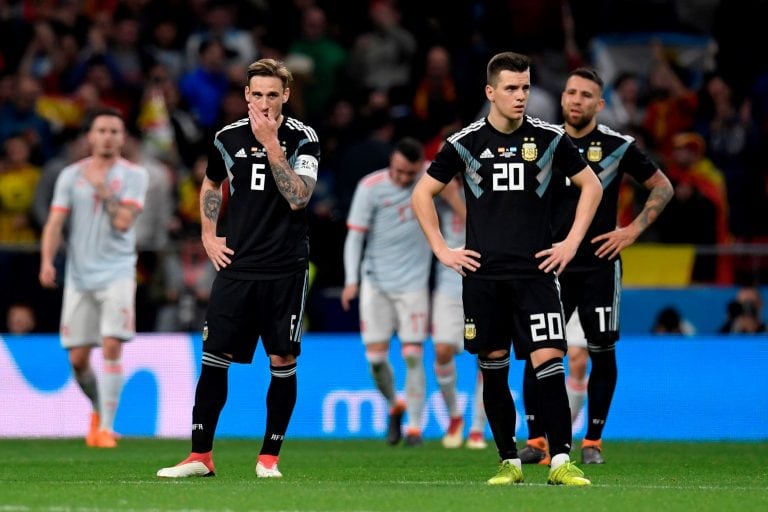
pixel 670 387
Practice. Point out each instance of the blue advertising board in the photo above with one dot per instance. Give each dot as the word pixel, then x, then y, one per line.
pixel 670 388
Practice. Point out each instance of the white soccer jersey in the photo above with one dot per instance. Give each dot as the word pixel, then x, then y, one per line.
pixel 448 281
pixel 397 257
pixel 98 254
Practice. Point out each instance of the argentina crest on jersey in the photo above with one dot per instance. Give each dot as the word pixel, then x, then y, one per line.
pixel 530 151
pixel 470 330
pixel 595 152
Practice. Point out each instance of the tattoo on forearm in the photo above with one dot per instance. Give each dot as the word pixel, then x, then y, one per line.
pixel 657 200
pixel 293 188
pixel 111 206
pixel 211 204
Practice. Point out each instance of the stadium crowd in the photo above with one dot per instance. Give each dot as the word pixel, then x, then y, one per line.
pixel 366 74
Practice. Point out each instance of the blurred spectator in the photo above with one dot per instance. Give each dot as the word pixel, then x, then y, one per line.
pixel 670 321
pixel 99 73
pixel 382 57
pixel 328 62
pixel 672 105
pixel 127 52
pixel 20 318
pixel 698 212
pixel 187 134
pixel 545 30
pixel 233 108
pixel 623 106
pixel 165 47
pixel 188 275
pixel 188 192
pixel 744 314
pixel 73 150
pixel 726 125
pixel 219 19
pixel 18 179
pixel 435 102
pixel 50 57
pixel 152 232
pixel 363 156
pixel 20 117
pixel 204 86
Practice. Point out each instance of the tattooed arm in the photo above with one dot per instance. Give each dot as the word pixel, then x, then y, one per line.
pixel 615 241
pixel 121 216
pixel 295 188
pixel 210 206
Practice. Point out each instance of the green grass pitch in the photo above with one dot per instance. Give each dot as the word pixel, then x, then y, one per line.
pixel 367 475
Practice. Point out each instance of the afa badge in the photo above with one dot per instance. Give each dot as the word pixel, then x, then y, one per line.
pixel 530 151
pixel 595 152
pixel 470 331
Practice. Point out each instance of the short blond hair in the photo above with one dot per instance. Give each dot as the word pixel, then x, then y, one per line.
pixel 270 67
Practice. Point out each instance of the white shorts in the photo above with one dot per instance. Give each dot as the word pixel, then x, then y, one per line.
pixel 87 316
pixel 574 333
pixel 382 314
pixel 448 321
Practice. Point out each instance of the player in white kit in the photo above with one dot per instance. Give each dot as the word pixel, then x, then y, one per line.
pixel 448 324
pixel 387 261
pixel 101 196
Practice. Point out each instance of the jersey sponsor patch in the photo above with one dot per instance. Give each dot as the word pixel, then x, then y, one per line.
pixel 306 165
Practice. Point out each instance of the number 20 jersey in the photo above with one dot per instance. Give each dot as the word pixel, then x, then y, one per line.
pixel 507 185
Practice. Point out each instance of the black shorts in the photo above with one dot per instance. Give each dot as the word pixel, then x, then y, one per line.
pixel 596 294
pixel 525 313
pixel 241 311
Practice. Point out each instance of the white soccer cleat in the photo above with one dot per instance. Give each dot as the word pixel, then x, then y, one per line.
pixel 454 436
pixel 475 441
pixel 189 467
pixel 263 471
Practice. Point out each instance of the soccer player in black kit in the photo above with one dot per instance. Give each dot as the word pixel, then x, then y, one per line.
pixel 271 161
pixel 510 261
pixel 591 285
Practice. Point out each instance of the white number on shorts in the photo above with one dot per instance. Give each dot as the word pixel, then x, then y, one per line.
pixel 546 327
pixel 603 313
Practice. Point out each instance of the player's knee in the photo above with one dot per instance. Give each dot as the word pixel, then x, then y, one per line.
pixel 375 358
pixel 413 355
pixel 444 353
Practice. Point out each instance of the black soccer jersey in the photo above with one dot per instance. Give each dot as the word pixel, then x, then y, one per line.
pixel 269 239
pixel 610 154
pixel 507 181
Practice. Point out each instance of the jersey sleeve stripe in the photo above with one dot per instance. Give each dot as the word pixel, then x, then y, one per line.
pixel 360 229
pixel 236 124
pixel 298 125
pixel 535 121
pixel 133 202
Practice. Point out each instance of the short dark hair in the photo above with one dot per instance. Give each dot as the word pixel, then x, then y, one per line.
pixel 270 67
pixel 588 74
pixel 506 61
pixel 99 112
pixel 410 148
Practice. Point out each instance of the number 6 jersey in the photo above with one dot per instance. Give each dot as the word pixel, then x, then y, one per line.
pixel 269 239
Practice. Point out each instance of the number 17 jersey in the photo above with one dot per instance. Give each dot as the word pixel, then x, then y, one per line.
pixel 507 185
